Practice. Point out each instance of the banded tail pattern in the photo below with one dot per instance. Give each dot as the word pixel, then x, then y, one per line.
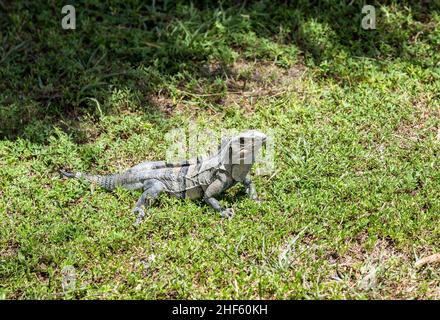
pixel 109 182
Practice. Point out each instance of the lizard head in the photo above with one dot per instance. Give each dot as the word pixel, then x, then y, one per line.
pixel 240 151
pixel 248 144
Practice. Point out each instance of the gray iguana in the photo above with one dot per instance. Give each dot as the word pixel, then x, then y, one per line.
pixel 195 178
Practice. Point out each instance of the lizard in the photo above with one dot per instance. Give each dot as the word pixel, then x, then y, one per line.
pixel 195 178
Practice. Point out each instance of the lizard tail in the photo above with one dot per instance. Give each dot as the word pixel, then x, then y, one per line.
pixel 108 182
pixel 68 174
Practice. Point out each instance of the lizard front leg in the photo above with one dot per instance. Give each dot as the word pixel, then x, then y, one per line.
pixel 213 189
pixel 225 213
pixel 250 188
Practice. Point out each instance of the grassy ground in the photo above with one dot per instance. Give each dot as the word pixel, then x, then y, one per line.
pixel 353 201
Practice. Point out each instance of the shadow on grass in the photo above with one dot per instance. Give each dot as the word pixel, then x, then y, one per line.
pixel 129 52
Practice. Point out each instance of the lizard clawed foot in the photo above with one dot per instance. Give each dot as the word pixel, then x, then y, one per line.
pixel 227 213
pixel 140 214
pixel 257 200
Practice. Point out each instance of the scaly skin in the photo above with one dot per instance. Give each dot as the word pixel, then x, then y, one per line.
pixel 195 178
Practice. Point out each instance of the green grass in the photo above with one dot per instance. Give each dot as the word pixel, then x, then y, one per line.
pixel 353 201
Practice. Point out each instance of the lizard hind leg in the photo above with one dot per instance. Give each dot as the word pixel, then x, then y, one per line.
pixel 152 189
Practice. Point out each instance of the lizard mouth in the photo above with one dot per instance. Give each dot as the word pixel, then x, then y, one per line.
pixel 262 139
